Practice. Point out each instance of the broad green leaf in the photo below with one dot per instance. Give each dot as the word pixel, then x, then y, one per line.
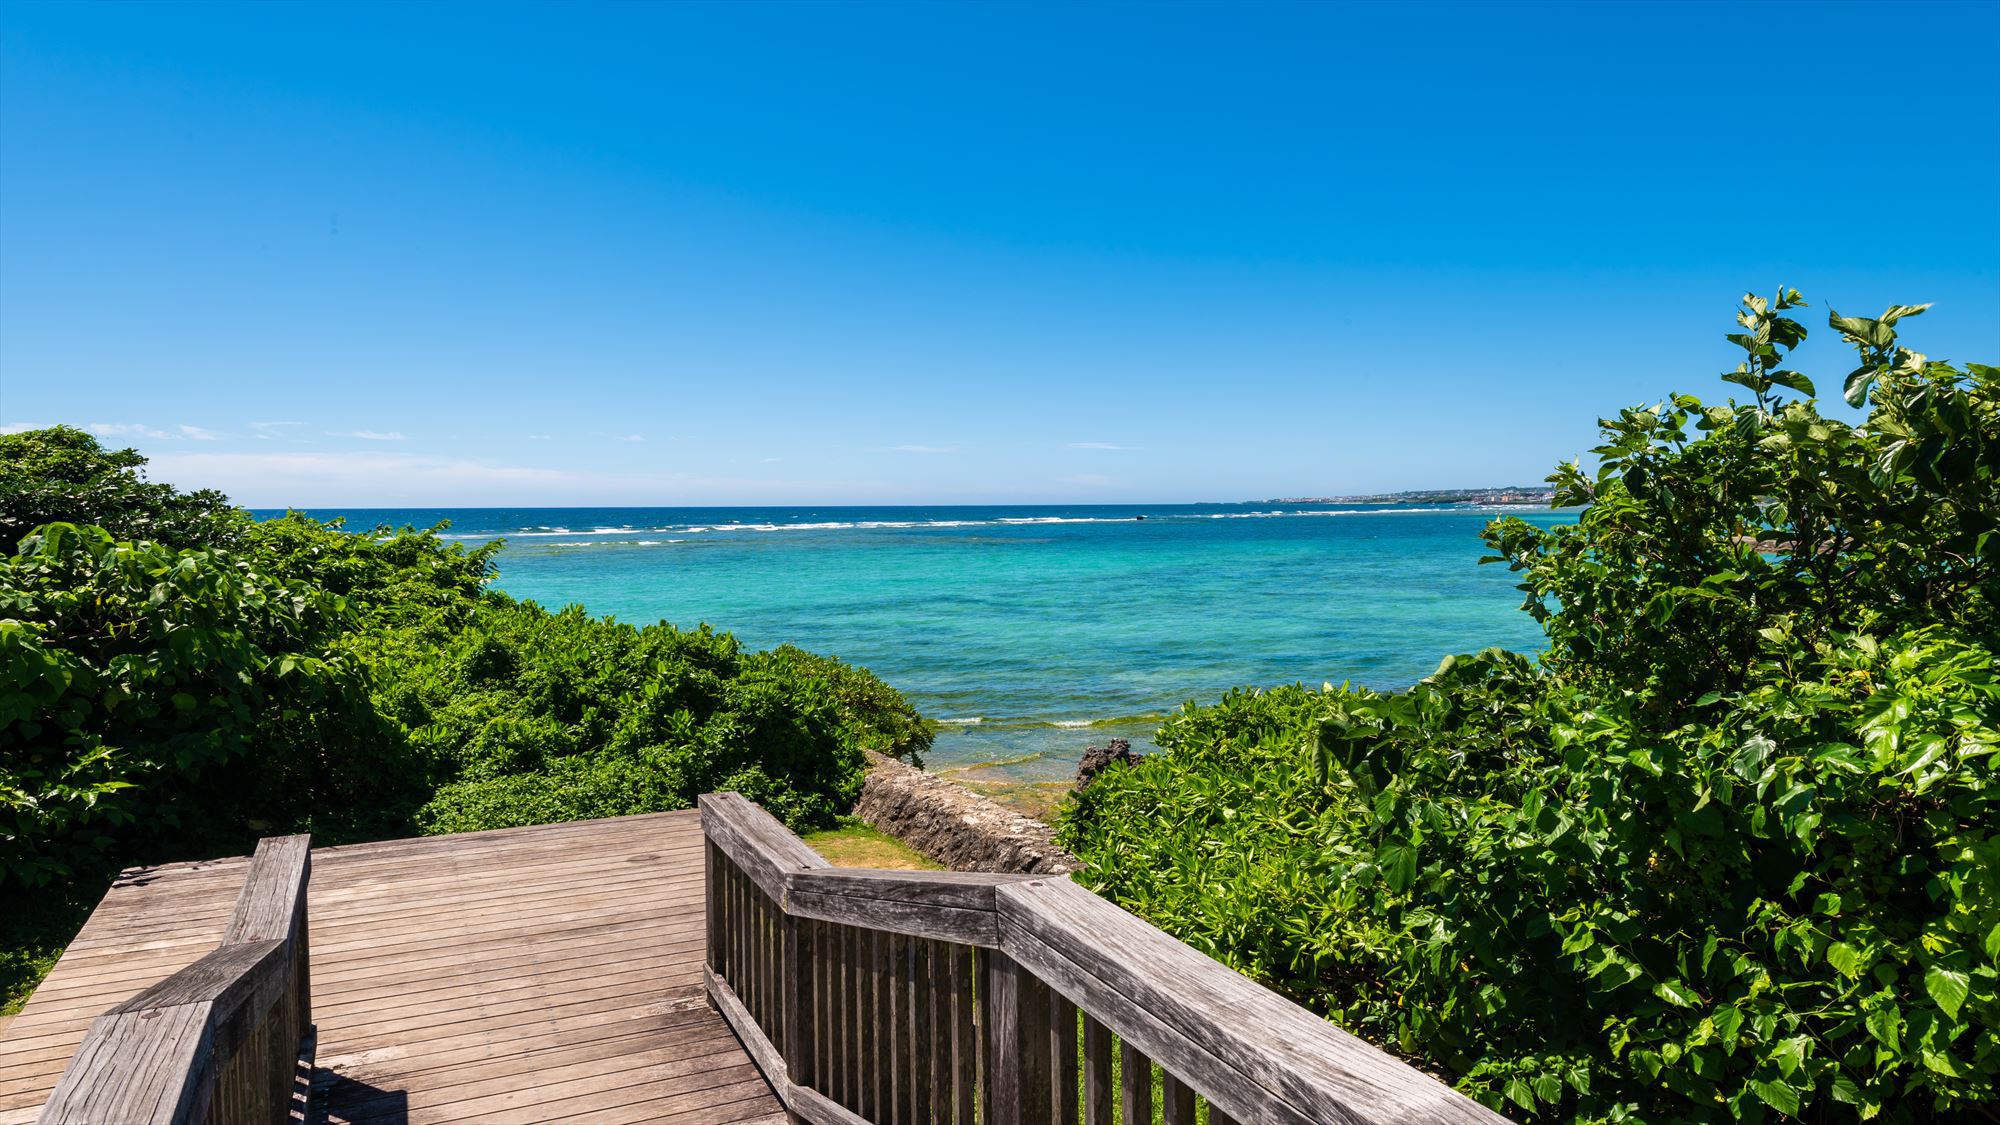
pixel 1886 1025
pixel 1399 866
pixel 1845 1091
pixel 1548 1087
pixel 1790 1054
pixel 1728 1021
pixel 1942 1062
pixel 1948 987
pixel 1845 959
pixel 1794 380
pixel 1778 1094
pixel 1677 993
pixel 1855 390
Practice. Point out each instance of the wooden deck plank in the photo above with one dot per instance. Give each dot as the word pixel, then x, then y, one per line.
pixel 439 1051
pixel 527 974
pixel 499 1070
pixel 689 1067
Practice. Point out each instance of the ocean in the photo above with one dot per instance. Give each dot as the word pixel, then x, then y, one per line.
pixel 1032 632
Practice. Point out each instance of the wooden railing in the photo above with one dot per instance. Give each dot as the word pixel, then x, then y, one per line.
pixel 219 1040
pixel 905 997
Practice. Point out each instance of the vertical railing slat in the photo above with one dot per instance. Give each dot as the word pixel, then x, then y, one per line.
pixel 797 993
pixel 711 919
pixel 857 1029
pixel 753 949
pixel 824 974
pixel 940 1023
pixel 1033 1043
pixel 1062 1048
pixel 896 1029
pixel 1177 1098
pixel 964 1037
pixel 1000 1080
pixel 1135 1082
pixel 738 972
pixel 880 1082
pixel 981 984
pixel 1016 1007
pixel 923 1050
pixel 767 965
pixel 1097 1076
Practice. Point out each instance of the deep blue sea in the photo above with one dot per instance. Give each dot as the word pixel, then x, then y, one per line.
pixel 1031 632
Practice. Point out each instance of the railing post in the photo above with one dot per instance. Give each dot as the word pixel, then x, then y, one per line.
pixel 1016 1007
pixel 219 1040
pixel 711 874
pixel 795 997
pixel 999 1028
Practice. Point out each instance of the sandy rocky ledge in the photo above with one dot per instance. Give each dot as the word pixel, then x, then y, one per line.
pixel 954 826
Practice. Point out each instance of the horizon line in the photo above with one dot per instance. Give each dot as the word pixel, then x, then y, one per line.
pixel 1356 498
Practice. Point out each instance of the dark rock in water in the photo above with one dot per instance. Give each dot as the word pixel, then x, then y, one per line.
pixel 1097 759
pixel 1138 517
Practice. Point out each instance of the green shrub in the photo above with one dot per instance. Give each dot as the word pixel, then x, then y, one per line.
pixel 518 700
pixel 873 715
pixel 391 576
pixel 570 789
pixel 142 688
pixel 62 475
pixel 1729 850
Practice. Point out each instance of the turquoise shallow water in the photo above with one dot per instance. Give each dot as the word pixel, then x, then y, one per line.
pixel 1032 632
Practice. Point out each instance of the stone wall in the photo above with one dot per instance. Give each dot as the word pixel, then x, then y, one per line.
pixel 958 828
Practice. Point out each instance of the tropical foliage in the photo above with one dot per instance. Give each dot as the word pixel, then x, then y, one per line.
pixel 61 475
pixel 126 665
pixel 1730 849
pixel 181 698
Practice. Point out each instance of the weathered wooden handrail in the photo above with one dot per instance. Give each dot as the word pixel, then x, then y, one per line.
pixel 218 1041
pixel 899 997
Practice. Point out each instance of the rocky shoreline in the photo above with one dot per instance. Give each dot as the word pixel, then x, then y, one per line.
pixel 955 826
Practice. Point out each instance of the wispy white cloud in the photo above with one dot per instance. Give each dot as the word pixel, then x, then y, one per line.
pixel 380 478
pixel 541 437
pixel 128 429
pixel 21 427
pixel 336 478
pixel 924 449
pixel 370 435
pixel 632 437
pixel 140 429
pixel 1100 445
pixel 271 431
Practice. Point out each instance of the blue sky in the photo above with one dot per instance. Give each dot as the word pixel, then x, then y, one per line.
pixel 480 254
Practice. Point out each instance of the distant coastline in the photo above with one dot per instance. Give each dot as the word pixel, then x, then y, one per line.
pixel 1516 495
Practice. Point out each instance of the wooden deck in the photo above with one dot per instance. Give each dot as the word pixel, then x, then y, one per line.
pixel 528 975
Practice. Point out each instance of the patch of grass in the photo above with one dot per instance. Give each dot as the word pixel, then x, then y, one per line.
pixel 854 844
pixel 34 928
